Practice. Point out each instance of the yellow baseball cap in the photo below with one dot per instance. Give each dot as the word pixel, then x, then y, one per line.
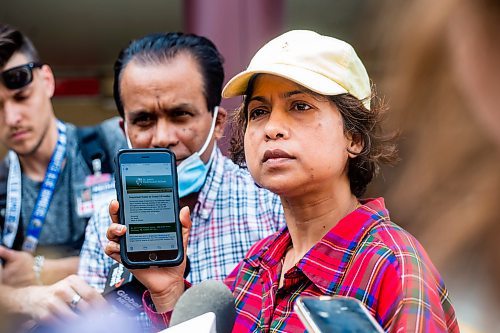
pixel 323 64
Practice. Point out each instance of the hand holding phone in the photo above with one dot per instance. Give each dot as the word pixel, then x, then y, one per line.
pixel 146 184
pixel 335 314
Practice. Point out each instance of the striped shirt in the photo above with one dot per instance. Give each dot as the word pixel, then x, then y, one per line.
pixel 232 213
pixel 365 256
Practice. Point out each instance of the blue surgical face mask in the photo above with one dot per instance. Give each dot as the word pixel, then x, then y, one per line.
pixel 192 172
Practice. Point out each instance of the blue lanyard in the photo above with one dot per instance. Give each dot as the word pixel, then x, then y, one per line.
pixel 42 203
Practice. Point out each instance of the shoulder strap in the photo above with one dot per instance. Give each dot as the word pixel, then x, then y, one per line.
pixel 92 143
pixel 4 175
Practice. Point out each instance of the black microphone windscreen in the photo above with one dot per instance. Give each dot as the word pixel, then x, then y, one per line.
pixel 208 296
pixel 123 290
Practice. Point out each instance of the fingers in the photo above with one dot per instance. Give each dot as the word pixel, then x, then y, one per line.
pixel 49 304
pixel 112 250
pixel 90 297
pixel 18 268
pixel 59 308
pixel 59 302
pixel 115 231
pixel 114 208
pixel 71 296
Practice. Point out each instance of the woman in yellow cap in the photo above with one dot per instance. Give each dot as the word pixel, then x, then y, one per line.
pixel 308 131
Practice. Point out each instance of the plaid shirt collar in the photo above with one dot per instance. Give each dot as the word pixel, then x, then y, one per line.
pixel 208 194
pixel 346 234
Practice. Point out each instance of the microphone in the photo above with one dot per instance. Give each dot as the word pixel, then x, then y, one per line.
pixel 200 324
pixel 124 291
pixel 208 296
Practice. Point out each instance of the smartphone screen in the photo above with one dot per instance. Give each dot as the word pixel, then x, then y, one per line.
pixel 335 314
pixel 149 207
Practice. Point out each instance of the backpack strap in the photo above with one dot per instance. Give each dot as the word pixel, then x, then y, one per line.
pixel 4 175
pixel 92 143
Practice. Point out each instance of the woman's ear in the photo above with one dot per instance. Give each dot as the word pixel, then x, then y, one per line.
pixel 354 145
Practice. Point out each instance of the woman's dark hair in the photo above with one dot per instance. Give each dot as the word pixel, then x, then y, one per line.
pixel 12 41
pixel 159 48
pixel 359 122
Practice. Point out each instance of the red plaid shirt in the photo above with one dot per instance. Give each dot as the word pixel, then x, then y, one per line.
pixel 365 256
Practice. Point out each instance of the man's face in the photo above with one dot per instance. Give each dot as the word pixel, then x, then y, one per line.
pixel 26 113
pixel 164 106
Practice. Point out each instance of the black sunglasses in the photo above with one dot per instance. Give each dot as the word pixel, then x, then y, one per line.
pixel 20 76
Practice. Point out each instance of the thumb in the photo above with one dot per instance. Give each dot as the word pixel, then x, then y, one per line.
pixel 185 217
pixel 6 253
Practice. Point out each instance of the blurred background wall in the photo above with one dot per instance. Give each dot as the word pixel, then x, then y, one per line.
pixel 81 39
pixel 446 188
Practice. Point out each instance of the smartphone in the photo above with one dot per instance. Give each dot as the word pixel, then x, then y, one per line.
pixel 335 314
pixel 146 186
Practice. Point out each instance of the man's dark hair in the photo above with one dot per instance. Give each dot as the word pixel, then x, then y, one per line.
pixel 12 41
pixel 158 48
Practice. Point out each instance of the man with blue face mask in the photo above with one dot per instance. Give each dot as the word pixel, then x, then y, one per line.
pixel 167 90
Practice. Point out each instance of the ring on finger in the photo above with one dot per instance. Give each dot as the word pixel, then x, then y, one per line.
pixel 74 301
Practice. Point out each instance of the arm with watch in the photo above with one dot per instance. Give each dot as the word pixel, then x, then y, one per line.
pixel 22 269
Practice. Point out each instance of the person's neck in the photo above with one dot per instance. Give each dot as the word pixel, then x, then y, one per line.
pixel 34 165
pixel 309 217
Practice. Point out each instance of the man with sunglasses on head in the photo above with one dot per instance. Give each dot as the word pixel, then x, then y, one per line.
pixel 41 231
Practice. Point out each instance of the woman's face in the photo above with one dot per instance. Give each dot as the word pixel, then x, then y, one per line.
pixel 294 141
